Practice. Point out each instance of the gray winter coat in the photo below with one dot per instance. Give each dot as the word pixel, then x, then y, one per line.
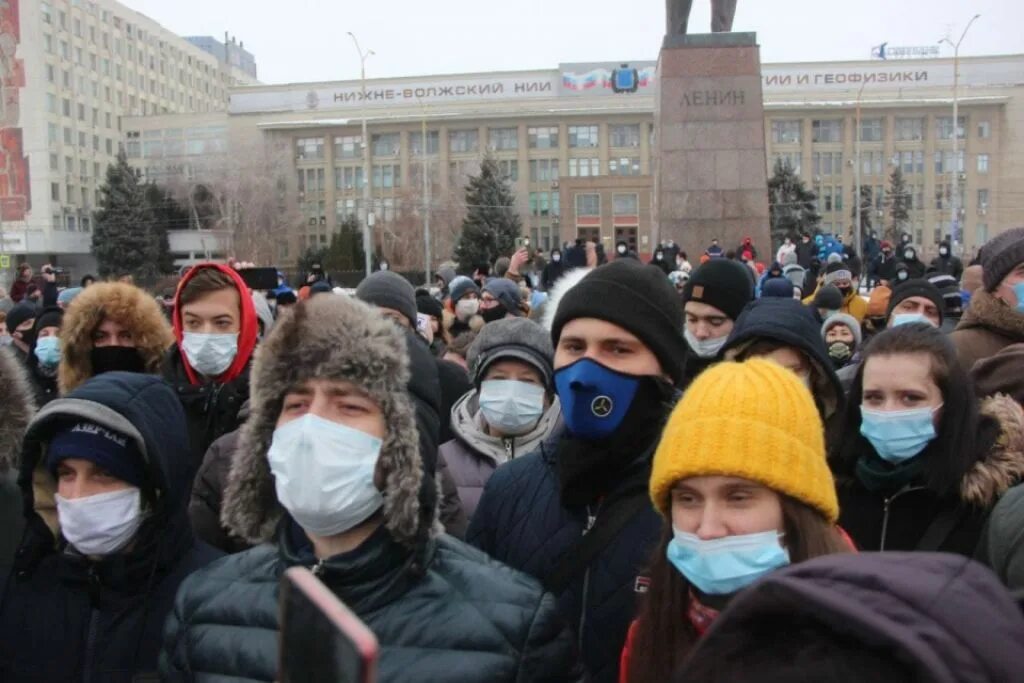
pixel 473 455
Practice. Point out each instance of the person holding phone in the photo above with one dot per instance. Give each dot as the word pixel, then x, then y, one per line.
pixel 329 475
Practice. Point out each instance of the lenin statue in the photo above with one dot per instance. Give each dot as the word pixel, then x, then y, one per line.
pixel 722 13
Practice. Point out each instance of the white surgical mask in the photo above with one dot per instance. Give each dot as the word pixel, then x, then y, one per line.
pixel 101 524
pixel 511 406
pixel 210 354
pixel 944 252
pixel 466 309
pixel 323 473
pixel 708 348
pixel 556 257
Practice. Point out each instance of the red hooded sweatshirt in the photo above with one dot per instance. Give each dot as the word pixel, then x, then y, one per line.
pixel 247 332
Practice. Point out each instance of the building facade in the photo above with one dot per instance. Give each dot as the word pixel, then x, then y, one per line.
pixel 231 54
pixel 575 142
pixel 72 70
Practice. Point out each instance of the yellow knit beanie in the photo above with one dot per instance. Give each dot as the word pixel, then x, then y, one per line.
pixel 755 420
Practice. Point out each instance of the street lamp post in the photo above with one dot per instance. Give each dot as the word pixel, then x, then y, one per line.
pixel 367 212
pixel 426 203
pixel 954 203
pixel 859 245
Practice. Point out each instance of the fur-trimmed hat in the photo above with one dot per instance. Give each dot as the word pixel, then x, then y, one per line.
pixel 16 410
pixel 333 338
pixel 125 304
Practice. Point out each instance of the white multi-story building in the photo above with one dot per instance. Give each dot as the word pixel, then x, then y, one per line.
pixel 71 69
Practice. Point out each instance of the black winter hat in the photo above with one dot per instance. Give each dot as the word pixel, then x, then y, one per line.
pixel 638 299
pixel 917 287
pixel 1000 255
pixel 837 271
pixel 50 317
pixel 387 289
pixel 428 305
pixel 22 311
pixel 828 297
pixel 722 283
pixel 777 288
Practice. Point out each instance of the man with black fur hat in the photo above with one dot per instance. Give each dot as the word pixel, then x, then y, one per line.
pixel 329 475
pixel 915 301
pixel 713 298
pixel 618 360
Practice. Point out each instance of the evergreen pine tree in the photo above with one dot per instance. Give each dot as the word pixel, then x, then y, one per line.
pixel 792 207
pixel 492 223
pixel 122 239
pixel 899 203
pixel 346 249
pixel 165 214
pixel 867 205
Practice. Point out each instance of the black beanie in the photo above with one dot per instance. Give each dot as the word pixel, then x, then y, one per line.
pixel 722 283
pixel 388 289
pixel 50 317
pixel 22 311
pixel 828 297
pixel 917 287
pixel 638 299
pixel 428 305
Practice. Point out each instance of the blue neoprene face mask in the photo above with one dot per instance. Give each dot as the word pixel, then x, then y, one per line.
pixel 595 399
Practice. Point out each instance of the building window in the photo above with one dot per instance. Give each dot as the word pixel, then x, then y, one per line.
pixel 503 139
pixel 981 233
pixel 509 169
pixel 543 204
pixel 871 163
pixel 46 12
pixel 54 162
pixel 345 208
pixel 910 162
pixel 348 147
pixel 463 141
pixel 348 178
pixel 309 148
pixel 624 135
pixel 584 168
pixel 588 205
pixel 68 139
pixel 625 204
pixel 872 130
pixel 984 130
pixel 827 163
pixel 416 143
pixel 544 137
pixel 982 163
pixel 944 162
pixel 982 199
pixel 944 127
pixel 624 166
pixel 310 180
pixel 387 176
pixel 386 144
pixel 826 130
pixel 583 136
pixel 543 170
pixel 55 192
pixel 785 132
pixel 791 159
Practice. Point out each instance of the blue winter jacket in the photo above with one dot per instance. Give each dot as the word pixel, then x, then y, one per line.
pixel 521 521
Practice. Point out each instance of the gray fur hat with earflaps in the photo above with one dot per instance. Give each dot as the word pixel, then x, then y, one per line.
pixel 333 338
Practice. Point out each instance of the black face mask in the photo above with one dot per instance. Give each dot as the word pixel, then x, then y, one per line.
pixel 116 359
pixel 496 313
pixel 588 470
pixel 845 291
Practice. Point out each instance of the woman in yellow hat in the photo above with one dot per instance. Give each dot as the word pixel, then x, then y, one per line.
pixel 741 478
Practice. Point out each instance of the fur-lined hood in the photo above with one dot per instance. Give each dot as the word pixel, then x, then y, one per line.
pixel 568 280
pixel 16 410
pixel 989 312
pixel 1003 466
pixel 129 306
pixel 328 337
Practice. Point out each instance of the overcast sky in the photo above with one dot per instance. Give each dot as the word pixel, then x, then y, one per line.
pixel 305 40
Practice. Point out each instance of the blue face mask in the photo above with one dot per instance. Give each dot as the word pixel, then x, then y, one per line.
pixel 723 566
pixel 511 406
pixel 595 399
pixel 48 351
pixel 907 318
pixel 1018 291
pixel 898 436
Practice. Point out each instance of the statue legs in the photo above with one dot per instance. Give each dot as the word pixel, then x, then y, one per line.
pixel 722 13
pixel 678 16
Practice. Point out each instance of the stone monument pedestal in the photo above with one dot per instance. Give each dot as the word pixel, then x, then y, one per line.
pixel 711 179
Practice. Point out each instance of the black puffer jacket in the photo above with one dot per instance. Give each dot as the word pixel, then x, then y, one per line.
pixel 67 618
pixel 468 619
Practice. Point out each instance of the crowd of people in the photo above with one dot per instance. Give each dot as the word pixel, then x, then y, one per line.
pixel 584 467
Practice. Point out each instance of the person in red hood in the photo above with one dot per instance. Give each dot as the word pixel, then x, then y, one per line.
pixel 746 251
pixel 215 330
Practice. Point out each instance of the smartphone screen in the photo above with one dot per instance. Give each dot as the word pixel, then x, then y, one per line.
pixel 321 640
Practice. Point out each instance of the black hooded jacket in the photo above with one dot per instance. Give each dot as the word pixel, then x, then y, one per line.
pixel 68 618
pixel 915 267
pixel 933 617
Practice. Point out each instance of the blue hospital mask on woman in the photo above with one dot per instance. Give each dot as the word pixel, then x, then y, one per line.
pixel 48 351
pixel 898 436
pixel 722 566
